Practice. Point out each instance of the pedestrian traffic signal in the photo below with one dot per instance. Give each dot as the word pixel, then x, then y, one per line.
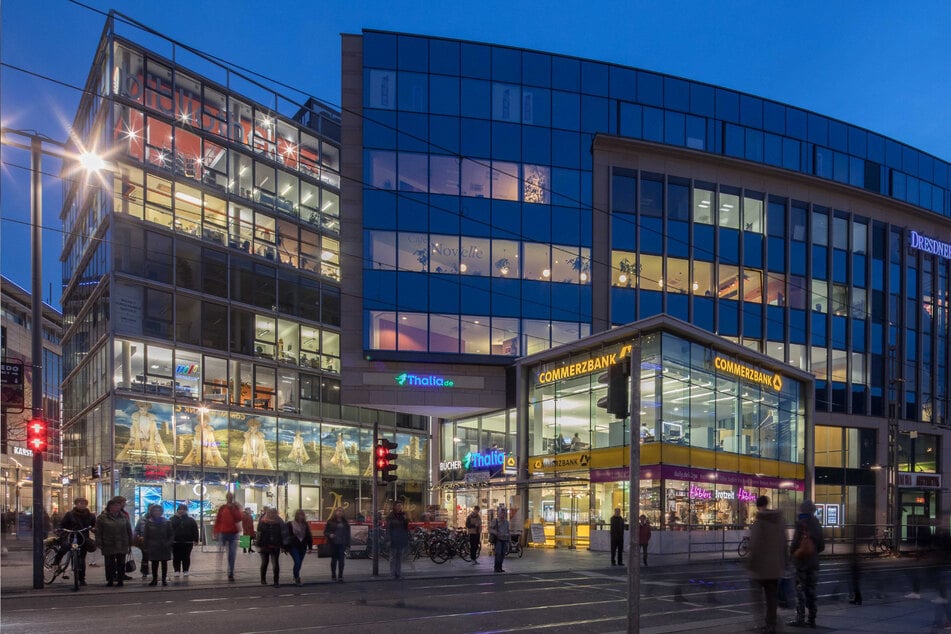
pixel 616 399
pixel 386 461
pixel 36 435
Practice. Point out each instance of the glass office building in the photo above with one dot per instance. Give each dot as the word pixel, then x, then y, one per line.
pixel 202 296
pixel 501 202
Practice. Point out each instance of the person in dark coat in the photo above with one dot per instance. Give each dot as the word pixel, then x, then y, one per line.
pixel 397 532
pixel 300 541
pixel 617 538
pixel 77 519
pixel 643 535
pixel 806 559
pixel 272 538
pixel 768 556
pixel 338 536
pixel 185 530
pixel 158 537
pixel 114 536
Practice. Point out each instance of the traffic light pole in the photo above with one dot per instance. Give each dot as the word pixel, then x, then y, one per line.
pixel 375 505
pixel 634 482
pixel 36 331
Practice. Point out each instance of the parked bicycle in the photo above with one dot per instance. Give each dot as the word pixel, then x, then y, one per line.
pixel 882 542
pixel 70 561
pixel 743 548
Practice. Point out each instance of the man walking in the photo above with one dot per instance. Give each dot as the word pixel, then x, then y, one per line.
pixel 499 529
pixel 474 528
pixel 226 529
pixel 617 538
pixel 767 558
pixel 643 535
pixel 806 545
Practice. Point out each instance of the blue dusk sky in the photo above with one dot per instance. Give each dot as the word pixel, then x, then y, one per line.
pixel 881 65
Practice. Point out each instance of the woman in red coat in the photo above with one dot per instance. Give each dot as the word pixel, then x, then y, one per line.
pixel 247 528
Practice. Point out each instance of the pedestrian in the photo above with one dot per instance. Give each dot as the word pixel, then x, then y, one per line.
pixel 122 502
pixel 500 530
pixel 139 542
pixel 643 535
pixel 617 538
pixel 272 538
pixel 79 518
pixel 855 570
pixel 338 537
pixel 806 545
pixel 226 529
pixel 114 535
pixel 247 529
pixel 185 530
pixel 474 528
pixel 300 541
pixel 397 532
pixel 158 538
pixel 767 558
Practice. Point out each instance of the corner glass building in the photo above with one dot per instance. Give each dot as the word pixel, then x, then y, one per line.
pixel 502 202
pixel 202 296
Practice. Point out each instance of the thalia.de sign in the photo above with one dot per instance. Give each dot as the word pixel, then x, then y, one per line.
pixel 432 380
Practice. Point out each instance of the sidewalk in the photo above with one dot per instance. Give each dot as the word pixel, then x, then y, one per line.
pixel 888 612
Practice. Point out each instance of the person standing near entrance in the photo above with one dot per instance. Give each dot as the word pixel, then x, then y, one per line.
pixel 767 558
pixel 643 535
pixel 806 545
pixel 397 531
pixel 273 537
pixel 226 529
pixel 499 529
pixel 617 538
pixel 185 529
pixel 474 528
pixel 337 532
pixel 247 529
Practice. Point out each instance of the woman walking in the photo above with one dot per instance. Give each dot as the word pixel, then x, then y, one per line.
pixel 158 536
pixel 114 536
pixel 185 530
pixel 300 541
pixel 338 536
pixel 272 538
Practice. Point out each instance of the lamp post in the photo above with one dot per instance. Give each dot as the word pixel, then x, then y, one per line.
pixel 36 328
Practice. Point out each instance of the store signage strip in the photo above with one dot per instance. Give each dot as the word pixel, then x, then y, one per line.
pixel 580 368
pixel 689 474
pixel 422 381
pixel 929 245
pixel 754 375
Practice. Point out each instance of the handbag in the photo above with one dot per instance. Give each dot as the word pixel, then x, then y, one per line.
pixel 89 545
pixel 130 564
pixel 244 541
pixel 806 549
pixel 493 538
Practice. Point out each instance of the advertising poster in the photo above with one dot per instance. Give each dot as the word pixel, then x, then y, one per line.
pixel 832 514
pixel 412 457
pixel 144 432
pixel 253 441
pixel 202 437
pixel 298 445
pixel 340 450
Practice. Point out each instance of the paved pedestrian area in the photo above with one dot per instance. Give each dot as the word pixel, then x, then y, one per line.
pixel 886 609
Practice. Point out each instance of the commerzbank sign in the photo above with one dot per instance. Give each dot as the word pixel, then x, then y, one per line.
pixel 586 366
pixel 749 373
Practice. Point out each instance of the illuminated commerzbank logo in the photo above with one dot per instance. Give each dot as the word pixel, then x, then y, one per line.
pixel 754 375
pixel 414 380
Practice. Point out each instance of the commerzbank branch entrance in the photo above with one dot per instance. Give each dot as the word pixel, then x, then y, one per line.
pixel 718 425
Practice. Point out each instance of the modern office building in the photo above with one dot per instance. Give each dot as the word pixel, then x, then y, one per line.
pixel 16 351
pixel 202 295
pixel 503 202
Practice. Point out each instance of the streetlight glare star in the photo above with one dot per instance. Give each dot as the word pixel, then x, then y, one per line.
pixel 92 162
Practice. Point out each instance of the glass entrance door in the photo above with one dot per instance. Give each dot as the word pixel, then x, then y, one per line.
pixel 572 517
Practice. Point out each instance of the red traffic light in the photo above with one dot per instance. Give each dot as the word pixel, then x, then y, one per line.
pixel 36 435
pixel 385 460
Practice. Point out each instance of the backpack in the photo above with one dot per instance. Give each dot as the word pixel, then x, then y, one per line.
pixel 807 548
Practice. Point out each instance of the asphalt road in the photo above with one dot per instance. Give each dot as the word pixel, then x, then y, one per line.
pixel 708 597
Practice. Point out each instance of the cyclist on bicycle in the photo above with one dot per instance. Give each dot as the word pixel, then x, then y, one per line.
pixel 79 518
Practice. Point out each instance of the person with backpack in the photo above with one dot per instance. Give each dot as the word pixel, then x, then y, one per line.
pixel 474 528
pixel 806 545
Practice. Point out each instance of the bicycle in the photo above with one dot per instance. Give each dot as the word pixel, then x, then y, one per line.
pixel 743 548
pixel 71 558
pixel 882 542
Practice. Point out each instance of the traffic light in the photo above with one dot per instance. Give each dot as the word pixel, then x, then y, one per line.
pixel 616 400
pixel 36 435
pixel 386 461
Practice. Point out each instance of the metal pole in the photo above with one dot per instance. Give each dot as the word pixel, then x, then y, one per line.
pixel 375 503
pixel 36 233
pixel 894 383
pixel 634 482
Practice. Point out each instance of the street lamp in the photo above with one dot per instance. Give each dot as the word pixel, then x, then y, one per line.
pixel 87 160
